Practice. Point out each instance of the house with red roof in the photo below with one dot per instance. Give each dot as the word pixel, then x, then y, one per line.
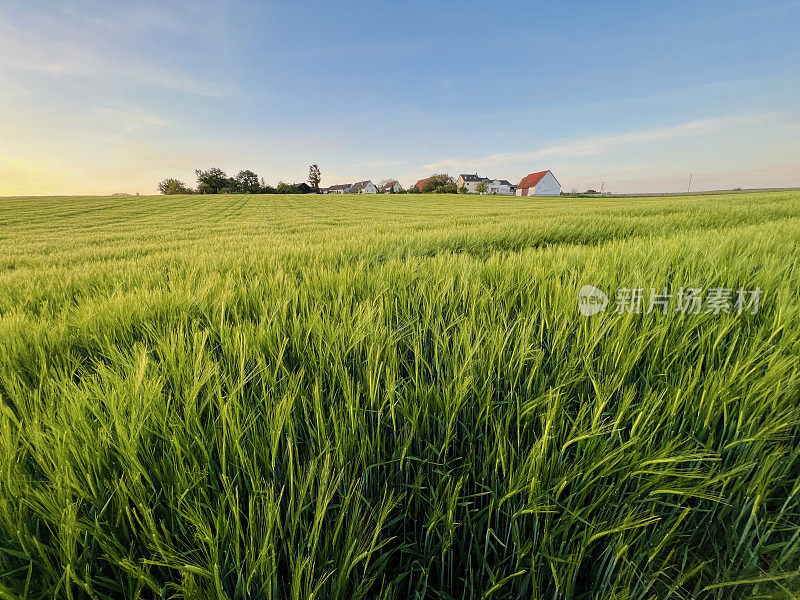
pixel 543 183
pixel 421 183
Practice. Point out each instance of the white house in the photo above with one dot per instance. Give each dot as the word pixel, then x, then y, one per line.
pixel 542 183
pixel 500 186
pixel 336 189
pixel 391 187
pixel 493 186
pixel 363 187
pixel 470 181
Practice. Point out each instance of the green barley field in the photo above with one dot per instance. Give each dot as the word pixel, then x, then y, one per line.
pixel 296 397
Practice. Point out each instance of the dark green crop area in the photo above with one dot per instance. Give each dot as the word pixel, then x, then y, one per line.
pixel 297 397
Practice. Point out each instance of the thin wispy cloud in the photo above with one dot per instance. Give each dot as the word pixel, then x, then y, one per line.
pixel 127 120
pixel 44 45
pixel 139 17
pixel 593 146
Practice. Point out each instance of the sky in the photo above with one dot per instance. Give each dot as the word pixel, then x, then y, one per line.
pixel 101 97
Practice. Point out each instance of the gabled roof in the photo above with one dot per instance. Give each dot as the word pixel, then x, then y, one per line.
pixel 420 183
pixel 342 186
pixel 389 185
pixel 504 182
pixel 531 180
pixel 357 187
pixel 468 177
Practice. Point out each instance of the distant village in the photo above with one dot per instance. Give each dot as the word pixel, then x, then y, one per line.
pixel 541 183
pixel 216 181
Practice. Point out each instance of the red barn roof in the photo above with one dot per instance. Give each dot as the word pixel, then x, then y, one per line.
pixel 531 180
pixel 420 183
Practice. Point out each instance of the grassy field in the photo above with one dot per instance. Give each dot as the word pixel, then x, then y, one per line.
pixel 253 397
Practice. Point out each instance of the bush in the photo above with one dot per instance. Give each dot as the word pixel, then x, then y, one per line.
pixel 170 187
pixel 439 183
pixel 285 188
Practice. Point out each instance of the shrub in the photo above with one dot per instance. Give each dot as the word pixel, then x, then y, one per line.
pixel 171 186
pixel 439 183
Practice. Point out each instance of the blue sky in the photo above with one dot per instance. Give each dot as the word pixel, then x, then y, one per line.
pixel 101 97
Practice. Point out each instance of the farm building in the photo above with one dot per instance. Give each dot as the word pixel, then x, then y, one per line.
pixel 542 183
pixel 363 187
pixel 336 189
pixel 304 188
pixel 391 187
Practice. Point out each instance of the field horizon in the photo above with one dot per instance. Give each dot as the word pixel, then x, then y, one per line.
pixel 631 195
pixel 397 396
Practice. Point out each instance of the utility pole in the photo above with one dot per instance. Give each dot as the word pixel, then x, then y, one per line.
pixel 689 189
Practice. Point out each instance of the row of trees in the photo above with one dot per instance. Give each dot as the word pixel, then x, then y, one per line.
pixel 215 181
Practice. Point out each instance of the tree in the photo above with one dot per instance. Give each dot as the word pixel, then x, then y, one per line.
pixel 462 189
pixel 171 186
pixel 263 188
pixel 285 188
pixel 247 182
pixel 481 187
pixel 439 183
pixel 314 177
pixel 213 181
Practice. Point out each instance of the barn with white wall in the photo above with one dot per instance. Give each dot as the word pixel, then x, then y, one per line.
pixel 542 183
